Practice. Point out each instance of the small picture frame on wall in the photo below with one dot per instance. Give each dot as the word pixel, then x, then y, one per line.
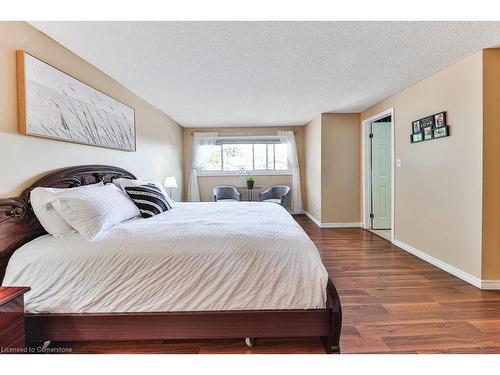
pixel 430 127
pixel 440 119
pixel 427 122
pixel 416 127
pixel 442 131
pixel 418 137
pixel 427 133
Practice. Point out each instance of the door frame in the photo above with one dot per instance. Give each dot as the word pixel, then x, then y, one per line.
pixel 366 169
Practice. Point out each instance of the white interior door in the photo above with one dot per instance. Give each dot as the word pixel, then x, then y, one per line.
pixel 381 175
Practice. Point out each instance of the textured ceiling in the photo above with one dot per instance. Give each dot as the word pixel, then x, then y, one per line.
pixel 269 73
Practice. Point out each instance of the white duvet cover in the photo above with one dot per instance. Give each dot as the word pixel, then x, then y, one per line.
pixel 195 257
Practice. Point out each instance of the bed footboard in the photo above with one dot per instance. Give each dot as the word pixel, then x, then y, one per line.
pixel 332 341
pixel 323 323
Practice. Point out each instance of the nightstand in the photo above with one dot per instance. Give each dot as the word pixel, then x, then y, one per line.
pixel 12 319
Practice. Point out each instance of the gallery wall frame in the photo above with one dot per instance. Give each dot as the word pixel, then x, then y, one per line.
pixel 429 128
pixel 53 104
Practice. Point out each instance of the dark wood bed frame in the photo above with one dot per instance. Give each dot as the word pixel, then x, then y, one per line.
pixel 19 225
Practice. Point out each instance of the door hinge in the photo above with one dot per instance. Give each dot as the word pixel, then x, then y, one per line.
pixel 371 135
pixel 372 216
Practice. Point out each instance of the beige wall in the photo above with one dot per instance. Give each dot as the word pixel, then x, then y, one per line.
pixel 207 183
pixel 25 158
pixel 332 148
pixel 312 173
pixel 438 193
pixel 340 168
pixel 491 164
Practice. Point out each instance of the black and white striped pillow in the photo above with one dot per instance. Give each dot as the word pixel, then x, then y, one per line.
pixel 149 199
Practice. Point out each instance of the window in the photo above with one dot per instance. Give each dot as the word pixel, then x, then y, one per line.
pixel 237 156
pixel 234 155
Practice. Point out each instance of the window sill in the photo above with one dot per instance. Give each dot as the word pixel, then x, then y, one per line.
pixel 237 174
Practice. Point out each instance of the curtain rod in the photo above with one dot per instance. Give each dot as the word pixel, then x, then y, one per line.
pixel 222 134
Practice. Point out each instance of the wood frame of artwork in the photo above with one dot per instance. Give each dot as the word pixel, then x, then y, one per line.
pixel 23 109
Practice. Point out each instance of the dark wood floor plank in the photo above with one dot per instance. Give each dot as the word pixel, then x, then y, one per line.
pixel 491 327
pixel 459 329
pixel 138 347
pixel 263 346
pixel 438 342
pixel 393 302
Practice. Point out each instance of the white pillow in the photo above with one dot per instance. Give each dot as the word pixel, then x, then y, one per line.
pixel 122 183
pixel 41 199
pixel 93 212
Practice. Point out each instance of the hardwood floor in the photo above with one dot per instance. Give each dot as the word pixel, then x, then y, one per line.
pixel 392 302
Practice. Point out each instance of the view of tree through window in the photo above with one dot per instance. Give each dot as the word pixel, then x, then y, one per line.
pixel 215 161
pixel 233 157
pixel 236 157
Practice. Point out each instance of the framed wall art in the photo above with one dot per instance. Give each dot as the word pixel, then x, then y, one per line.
pixel 430 127
pixel 416 127
pixel 440 132
pixel 440 119
pixel 427 133
pixel 53 104
pixel 418 137
pixel 427 122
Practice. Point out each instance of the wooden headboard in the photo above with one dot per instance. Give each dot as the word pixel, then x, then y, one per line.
pixel 18 223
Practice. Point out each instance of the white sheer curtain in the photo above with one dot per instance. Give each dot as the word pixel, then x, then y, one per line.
pixel 288 138
pixel 202 150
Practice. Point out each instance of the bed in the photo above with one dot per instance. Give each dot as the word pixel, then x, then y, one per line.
pixel 199 271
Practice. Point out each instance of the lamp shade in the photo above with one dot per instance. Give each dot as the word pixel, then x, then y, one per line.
pixel 170 182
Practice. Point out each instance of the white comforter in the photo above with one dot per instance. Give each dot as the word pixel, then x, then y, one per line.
pixel 196 257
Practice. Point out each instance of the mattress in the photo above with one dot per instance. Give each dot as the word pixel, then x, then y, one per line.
pixel 195 257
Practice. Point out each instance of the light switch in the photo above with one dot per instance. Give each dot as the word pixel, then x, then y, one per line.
pixel 398 163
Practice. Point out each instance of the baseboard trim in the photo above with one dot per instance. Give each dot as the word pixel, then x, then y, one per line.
pixel 340 225
pixel 478 283
pixel 490 284
pixel 332 225
pixel 381 235
pixel 440 264
pixel 310 216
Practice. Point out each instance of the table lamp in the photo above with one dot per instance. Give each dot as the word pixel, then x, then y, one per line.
pixel 170 182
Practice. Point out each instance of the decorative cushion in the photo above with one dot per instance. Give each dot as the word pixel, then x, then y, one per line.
pixel 149 199
pixel 93 212
pixel 122 183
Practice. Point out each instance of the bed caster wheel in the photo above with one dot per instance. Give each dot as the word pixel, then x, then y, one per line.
pixel 250 341
pixel 335 349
